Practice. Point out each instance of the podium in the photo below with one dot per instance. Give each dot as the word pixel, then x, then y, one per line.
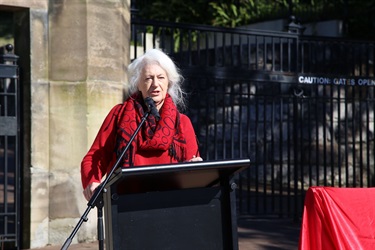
pixel 177 206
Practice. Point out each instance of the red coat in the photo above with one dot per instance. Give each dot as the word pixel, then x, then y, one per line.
pixel 101 157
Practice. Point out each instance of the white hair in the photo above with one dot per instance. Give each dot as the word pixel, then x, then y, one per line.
pixel 156 56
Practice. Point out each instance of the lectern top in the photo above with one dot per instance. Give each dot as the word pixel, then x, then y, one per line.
pixel 180 175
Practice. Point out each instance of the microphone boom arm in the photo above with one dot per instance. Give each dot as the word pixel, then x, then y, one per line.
pixel 97 198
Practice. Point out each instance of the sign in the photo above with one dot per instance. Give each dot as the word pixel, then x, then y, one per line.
pixel 335 80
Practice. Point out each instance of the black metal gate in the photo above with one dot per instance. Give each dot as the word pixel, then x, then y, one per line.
pixel 300 107
pixel 9 150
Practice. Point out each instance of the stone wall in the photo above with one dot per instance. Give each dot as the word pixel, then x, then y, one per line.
pixel 73 56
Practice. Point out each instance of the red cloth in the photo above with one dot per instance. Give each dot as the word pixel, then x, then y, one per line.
pixel 102 155
pixel 338 218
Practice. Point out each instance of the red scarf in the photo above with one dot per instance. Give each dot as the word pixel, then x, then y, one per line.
pixel 161 135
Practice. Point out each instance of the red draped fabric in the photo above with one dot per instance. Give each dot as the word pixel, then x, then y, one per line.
pixel 338 218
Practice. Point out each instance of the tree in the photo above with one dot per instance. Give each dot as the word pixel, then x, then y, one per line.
pixel 184 11
pixel 356 14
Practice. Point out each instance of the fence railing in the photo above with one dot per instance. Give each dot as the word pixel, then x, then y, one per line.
pixel 336 56
pixel 9 150
pixel 301 108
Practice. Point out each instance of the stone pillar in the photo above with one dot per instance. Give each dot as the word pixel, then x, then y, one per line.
pixel 33 24
pixel 73 56
pixel 89 46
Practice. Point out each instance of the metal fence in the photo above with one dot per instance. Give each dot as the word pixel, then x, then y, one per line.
pixel 9 150
pixel 301 108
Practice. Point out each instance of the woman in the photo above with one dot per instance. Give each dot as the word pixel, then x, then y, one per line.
pixel 168 140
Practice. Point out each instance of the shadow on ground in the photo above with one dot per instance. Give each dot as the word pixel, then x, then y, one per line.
pixel 268 233
pixel 254 233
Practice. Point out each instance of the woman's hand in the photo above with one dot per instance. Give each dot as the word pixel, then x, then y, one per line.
pixel 90 189
pixel 195 158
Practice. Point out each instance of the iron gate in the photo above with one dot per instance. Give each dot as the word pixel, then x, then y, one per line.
pixel 9 150
pixel 300 107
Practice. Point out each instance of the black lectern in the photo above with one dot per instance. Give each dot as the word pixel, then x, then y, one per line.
pixel 177 206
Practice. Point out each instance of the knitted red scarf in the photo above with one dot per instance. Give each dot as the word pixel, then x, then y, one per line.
pixel 161 135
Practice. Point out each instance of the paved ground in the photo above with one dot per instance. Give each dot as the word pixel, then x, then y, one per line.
pixel 253 234
pixel 268 234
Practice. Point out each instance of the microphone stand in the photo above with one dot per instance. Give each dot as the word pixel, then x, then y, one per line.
pixel 97 198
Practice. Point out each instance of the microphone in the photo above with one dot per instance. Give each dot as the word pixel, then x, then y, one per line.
pixel 152 108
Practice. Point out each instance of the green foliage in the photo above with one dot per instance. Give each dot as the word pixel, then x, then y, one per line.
pixel 229 14
pixel 6 28
pixel 225 13
pixel 358 14
pixel 186 11
pixel 361 19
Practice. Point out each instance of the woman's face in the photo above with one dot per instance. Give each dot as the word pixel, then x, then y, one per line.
pixel 154 83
